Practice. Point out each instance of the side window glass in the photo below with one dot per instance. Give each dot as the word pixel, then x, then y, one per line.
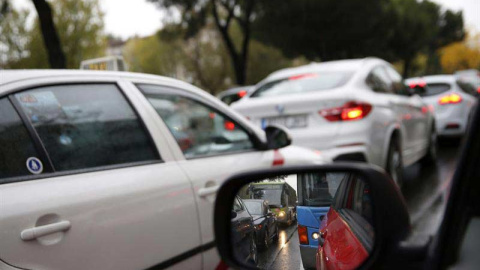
pixel 399 87
pixel 17 151
pixel 379 81
pixel 86 126
pixel 198 129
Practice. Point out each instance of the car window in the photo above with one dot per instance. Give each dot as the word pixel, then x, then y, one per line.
pixel 467 87
pixel 319 189
pixel 237 206
pixel 379 81
pixel 16 145
pixel 303 83
pixel 436 88
pixel 254 208
pixel 399 87
pixel 86 126
pixel 198 129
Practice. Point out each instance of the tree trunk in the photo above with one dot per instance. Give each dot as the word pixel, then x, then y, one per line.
pixel 406 67
pixel 56 57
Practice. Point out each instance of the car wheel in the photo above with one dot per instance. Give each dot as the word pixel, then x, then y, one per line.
pixel 253 258
pixel 395 163
pixel 431 155
pixel 277 236
pixel 265 240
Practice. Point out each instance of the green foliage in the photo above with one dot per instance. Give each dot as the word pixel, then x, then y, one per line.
pixel 13 37
pixel 79 25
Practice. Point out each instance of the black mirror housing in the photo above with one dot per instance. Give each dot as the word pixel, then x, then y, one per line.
pixel 391 218
pixel 277 137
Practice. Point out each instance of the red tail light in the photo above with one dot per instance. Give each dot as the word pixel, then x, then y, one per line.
pixel 229 125
pixel 450 99
pixel 303 235
pixel 420 84
pixel 349 111
pixel 478 90
pixel 242 93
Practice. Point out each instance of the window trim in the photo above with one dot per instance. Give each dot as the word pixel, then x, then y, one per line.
pixel 258 145
pixel 43 153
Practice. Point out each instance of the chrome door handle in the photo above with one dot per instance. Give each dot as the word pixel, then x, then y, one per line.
pixel 33 233
pixel 204 192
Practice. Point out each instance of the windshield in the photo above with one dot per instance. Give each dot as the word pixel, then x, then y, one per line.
pixel 303 83
pixel 319 189
pixel 435 89
pixel 272 194
pixel 254 208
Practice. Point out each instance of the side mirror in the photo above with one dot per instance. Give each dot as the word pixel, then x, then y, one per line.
pixel 233 215
pixel 277 137
pixel 361 206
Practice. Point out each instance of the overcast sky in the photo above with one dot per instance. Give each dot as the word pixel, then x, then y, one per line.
pixel 126 18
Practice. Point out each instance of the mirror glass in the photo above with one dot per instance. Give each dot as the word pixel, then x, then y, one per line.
pixel 303 221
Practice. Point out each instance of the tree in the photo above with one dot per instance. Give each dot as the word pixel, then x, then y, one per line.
pixel 225 13
pixel 80 29
pixel 56 57
pixel 324 30
pixel 14 36
pixel 461 55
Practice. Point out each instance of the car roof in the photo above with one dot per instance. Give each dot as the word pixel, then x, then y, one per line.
pixel 9 76
pixel 343 65
pixel 436 79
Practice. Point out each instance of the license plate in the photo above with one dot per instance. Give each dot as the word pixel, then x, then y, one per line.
pixel 291 121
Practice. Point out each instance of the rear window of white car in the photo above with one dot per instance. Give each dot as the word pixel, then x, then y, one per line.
pixel 433 89
pixel 303 83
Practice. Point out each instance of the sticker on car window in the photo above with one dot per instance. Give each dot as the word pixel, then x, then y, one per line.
pixel 34 165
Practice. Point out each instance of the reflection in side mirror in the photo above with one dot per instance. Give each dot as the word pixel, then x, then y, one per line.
pixel 325 221
pixel 277 137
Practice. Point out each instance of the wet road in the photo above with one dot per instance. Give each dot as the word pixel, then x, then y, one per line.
pixel 424 191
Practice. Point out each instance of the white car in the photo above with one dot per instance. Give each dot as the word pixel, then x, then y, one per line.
pixel 116 170
pixel 451 100
pixel 349 110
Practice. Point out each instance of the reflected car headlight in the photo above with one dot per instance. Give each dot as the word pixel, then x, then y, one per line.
pixel 281 214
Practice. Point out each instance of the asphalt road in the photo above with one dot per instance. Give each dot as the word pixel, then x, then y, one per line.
pixel 425 191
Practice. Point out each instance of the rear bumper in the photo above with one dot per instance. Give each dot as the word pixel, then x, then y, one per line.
pixel 451 126
pixel 308 256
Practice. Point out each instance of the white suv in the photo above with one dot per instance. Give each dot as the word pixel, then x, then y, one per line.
pixel 114 170
pixel 349 110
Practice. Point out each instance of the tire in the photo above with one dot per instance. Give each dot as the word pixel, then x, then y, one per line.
pixel 253 256
pixel 395 162
pixel 430 157
pixel 266 239
pixel 277 236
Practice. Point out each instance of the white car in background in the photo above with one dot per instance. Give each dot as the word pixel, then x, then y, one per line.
pixel 116 170
pixel 451 100
pixel 356 110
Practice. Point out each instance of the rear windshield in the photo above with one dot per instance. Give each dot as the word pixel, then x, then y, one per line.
pixel 303 83
pixel 435 89
pixel 254 208
pixel 318 189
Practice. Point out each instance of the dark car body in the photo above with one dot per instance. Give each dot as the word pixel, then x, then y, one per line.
pixel 234 94
pixel 265 222
pixel 243 232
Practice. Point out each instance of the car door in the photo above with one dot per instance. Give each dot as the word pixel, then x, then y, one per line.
pixel 214 145
pixel 420 120
pixel 86 187
pixel 347 238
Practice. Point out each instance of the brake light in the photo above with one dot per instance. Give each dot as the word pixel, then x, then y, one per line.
pixel 478 90
pixel 418 84
pixel 229 125
pixel 349 111
pixel 450 99
pixel 302 235
pixel 242 93
pixel 303 76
